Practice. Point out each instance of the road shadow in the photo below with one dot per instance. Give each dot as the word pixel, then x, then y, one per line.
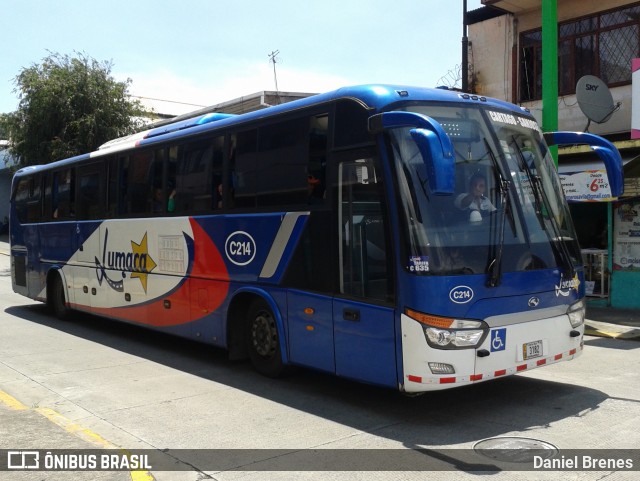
pixel 440 418
pixel 620 344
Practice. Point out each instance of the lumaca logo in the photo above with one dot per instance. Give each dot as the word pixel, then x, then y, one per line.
pixel 138 262
pixel 565 286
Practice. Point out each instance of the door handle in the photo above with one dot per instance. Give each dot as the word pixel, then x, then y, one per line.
pixel 351 315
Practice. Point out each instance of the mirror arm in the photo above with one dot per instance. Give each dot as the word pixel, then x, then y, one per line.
pixel 602 147
pixel 432 141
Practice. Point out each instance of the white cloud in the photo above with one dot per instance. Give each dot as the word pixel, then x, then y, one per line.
pixel 183 93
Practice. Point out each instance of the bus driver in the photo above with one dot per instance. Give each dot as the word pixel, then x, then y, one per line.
pixel 475 201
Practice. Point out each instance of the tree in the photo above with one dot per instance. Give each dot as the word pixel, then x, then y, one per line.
pixel 68 106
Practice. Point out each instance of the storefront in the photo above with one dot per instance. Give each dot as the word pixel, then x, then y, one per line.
pixel 608 229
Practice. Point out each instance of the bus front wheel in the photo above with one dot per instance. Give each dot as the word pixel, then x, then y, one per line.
pixel 263 340
pixel 56 299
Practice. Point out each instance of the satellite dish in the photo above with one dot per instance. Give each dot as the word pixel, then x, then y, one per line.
pixel 595 99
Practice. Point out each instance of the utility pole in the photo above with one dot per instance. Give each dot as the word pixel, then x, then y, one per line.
pixel 550 70
pixel 272 58
pixel 465 49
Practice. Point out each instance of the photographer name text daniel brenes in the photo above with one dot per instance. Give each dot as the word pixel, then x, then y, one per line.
pixel 581 462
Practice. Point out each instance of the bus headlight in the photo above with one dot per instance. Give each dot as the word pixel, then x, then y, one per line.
pixel 576 313
pixel 452 338
pixel 448 333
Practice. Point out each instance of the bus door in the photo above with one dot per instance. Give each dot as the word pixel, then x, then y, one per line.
pixel 363 313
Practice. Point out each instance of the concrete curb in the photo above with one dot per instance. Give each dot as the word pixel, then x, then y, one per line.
pixel 614 331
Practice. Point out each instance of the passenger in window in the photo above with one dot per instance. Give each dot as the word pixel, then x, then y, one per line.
pixel 158 204
pixel 475 201
pixel 316 189
pixel 171 201
pixel 219 194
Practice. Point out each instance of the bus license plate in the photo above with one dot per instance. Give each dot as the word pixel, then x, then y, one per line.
pixel 531 350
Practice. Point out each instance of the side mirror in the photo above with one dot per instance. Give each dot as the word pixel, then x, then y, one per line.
pixel 601 146
pixel 432 141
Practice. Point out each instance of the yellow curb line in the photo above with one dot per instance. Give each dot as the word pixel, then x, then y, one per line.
pixel 75 429
pixel 632 334
pixel 11 402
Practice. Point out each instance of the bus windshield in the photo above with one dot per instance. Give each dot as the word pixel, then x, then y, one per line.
pixel 508 213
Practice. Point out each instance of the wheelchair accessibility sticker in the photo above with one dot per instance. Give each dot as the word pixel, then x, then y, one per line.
pixel 498 339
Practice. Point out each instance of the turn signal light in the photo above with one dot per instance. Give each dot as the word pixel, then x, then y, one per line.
pixel 428 319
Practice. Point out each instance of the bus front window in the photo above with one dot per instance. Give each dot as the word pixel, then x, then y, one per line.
pixel 508 208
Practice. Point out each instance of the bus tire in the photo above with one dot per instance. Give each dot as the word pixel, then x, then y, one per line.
pixel 56 300
pixel 263 342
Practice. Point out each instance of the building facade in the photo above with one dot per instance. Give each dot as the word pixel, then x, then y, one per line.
pixel 599 39
pixel 6 164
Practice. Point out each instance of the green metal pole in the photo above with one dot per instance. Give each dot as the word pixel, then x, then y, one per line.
pixel 550 69
pixel 609 251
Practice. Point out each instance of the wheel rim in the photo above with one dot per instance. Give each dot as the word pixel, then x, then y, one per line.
pixel 264 334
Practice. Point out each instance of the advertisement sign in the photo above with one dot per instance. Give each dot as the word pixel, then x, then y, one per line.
pixel 586 186
pixel 626 247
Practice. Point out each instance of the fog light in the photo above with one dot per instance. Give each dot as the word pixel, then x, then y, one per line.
pixel 441 368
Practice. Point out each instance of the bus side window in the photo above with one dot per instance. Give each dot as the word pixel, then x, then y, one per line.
pixel 198 176
pixel 34 203
pixel 139 191
pixel 158 191
pixel 171 167
pixel 90 199
pixel 63 195
pixel 21 197
pixel 123 182
pixel 351 122
pixel 317 166
pixel 112 188
pixel 282 160
pixel 46 197
pixel 243 166
pixel 216 172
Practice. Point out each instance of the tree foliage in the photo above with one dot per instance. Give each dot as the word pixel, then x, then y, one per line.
pixel 68 106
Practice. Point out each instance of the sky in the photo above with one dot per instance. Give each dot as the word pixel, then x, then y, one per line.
pixel 204 52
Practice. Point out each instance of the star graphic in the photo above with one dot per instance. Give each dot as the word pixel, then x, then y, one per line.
pixel 576 282
pixel 143 264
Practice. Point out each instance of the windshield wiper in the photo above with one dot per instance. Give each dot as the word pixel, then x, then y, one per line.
pixel 495 266
pixel 534 182
pixel 542 202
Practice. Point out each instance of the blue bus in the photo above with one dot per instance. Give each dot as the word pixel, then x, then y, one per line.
pixel 411 238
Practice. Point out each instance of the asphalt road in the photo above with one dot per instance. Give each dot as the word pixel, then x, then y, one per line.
pixel 94 384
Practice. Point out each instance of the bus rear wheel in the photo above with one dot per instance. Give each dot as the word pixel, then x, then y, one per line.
pixel 56 299
pixel 263 340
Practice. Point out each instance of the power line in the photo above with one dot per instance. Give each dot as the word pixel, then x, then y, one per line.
pixel 165 100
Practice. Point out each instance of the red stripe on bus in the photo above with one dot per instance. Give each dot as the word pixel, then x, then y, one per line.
pixel 414 378
pixel 541 362
pixel 521 367
pixel 447 380
pixel 557 357
pixel 475 377
pixel 501 372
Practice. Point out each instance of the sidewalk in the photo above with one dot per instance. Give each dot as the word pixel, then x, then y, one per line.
pixel 612 322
